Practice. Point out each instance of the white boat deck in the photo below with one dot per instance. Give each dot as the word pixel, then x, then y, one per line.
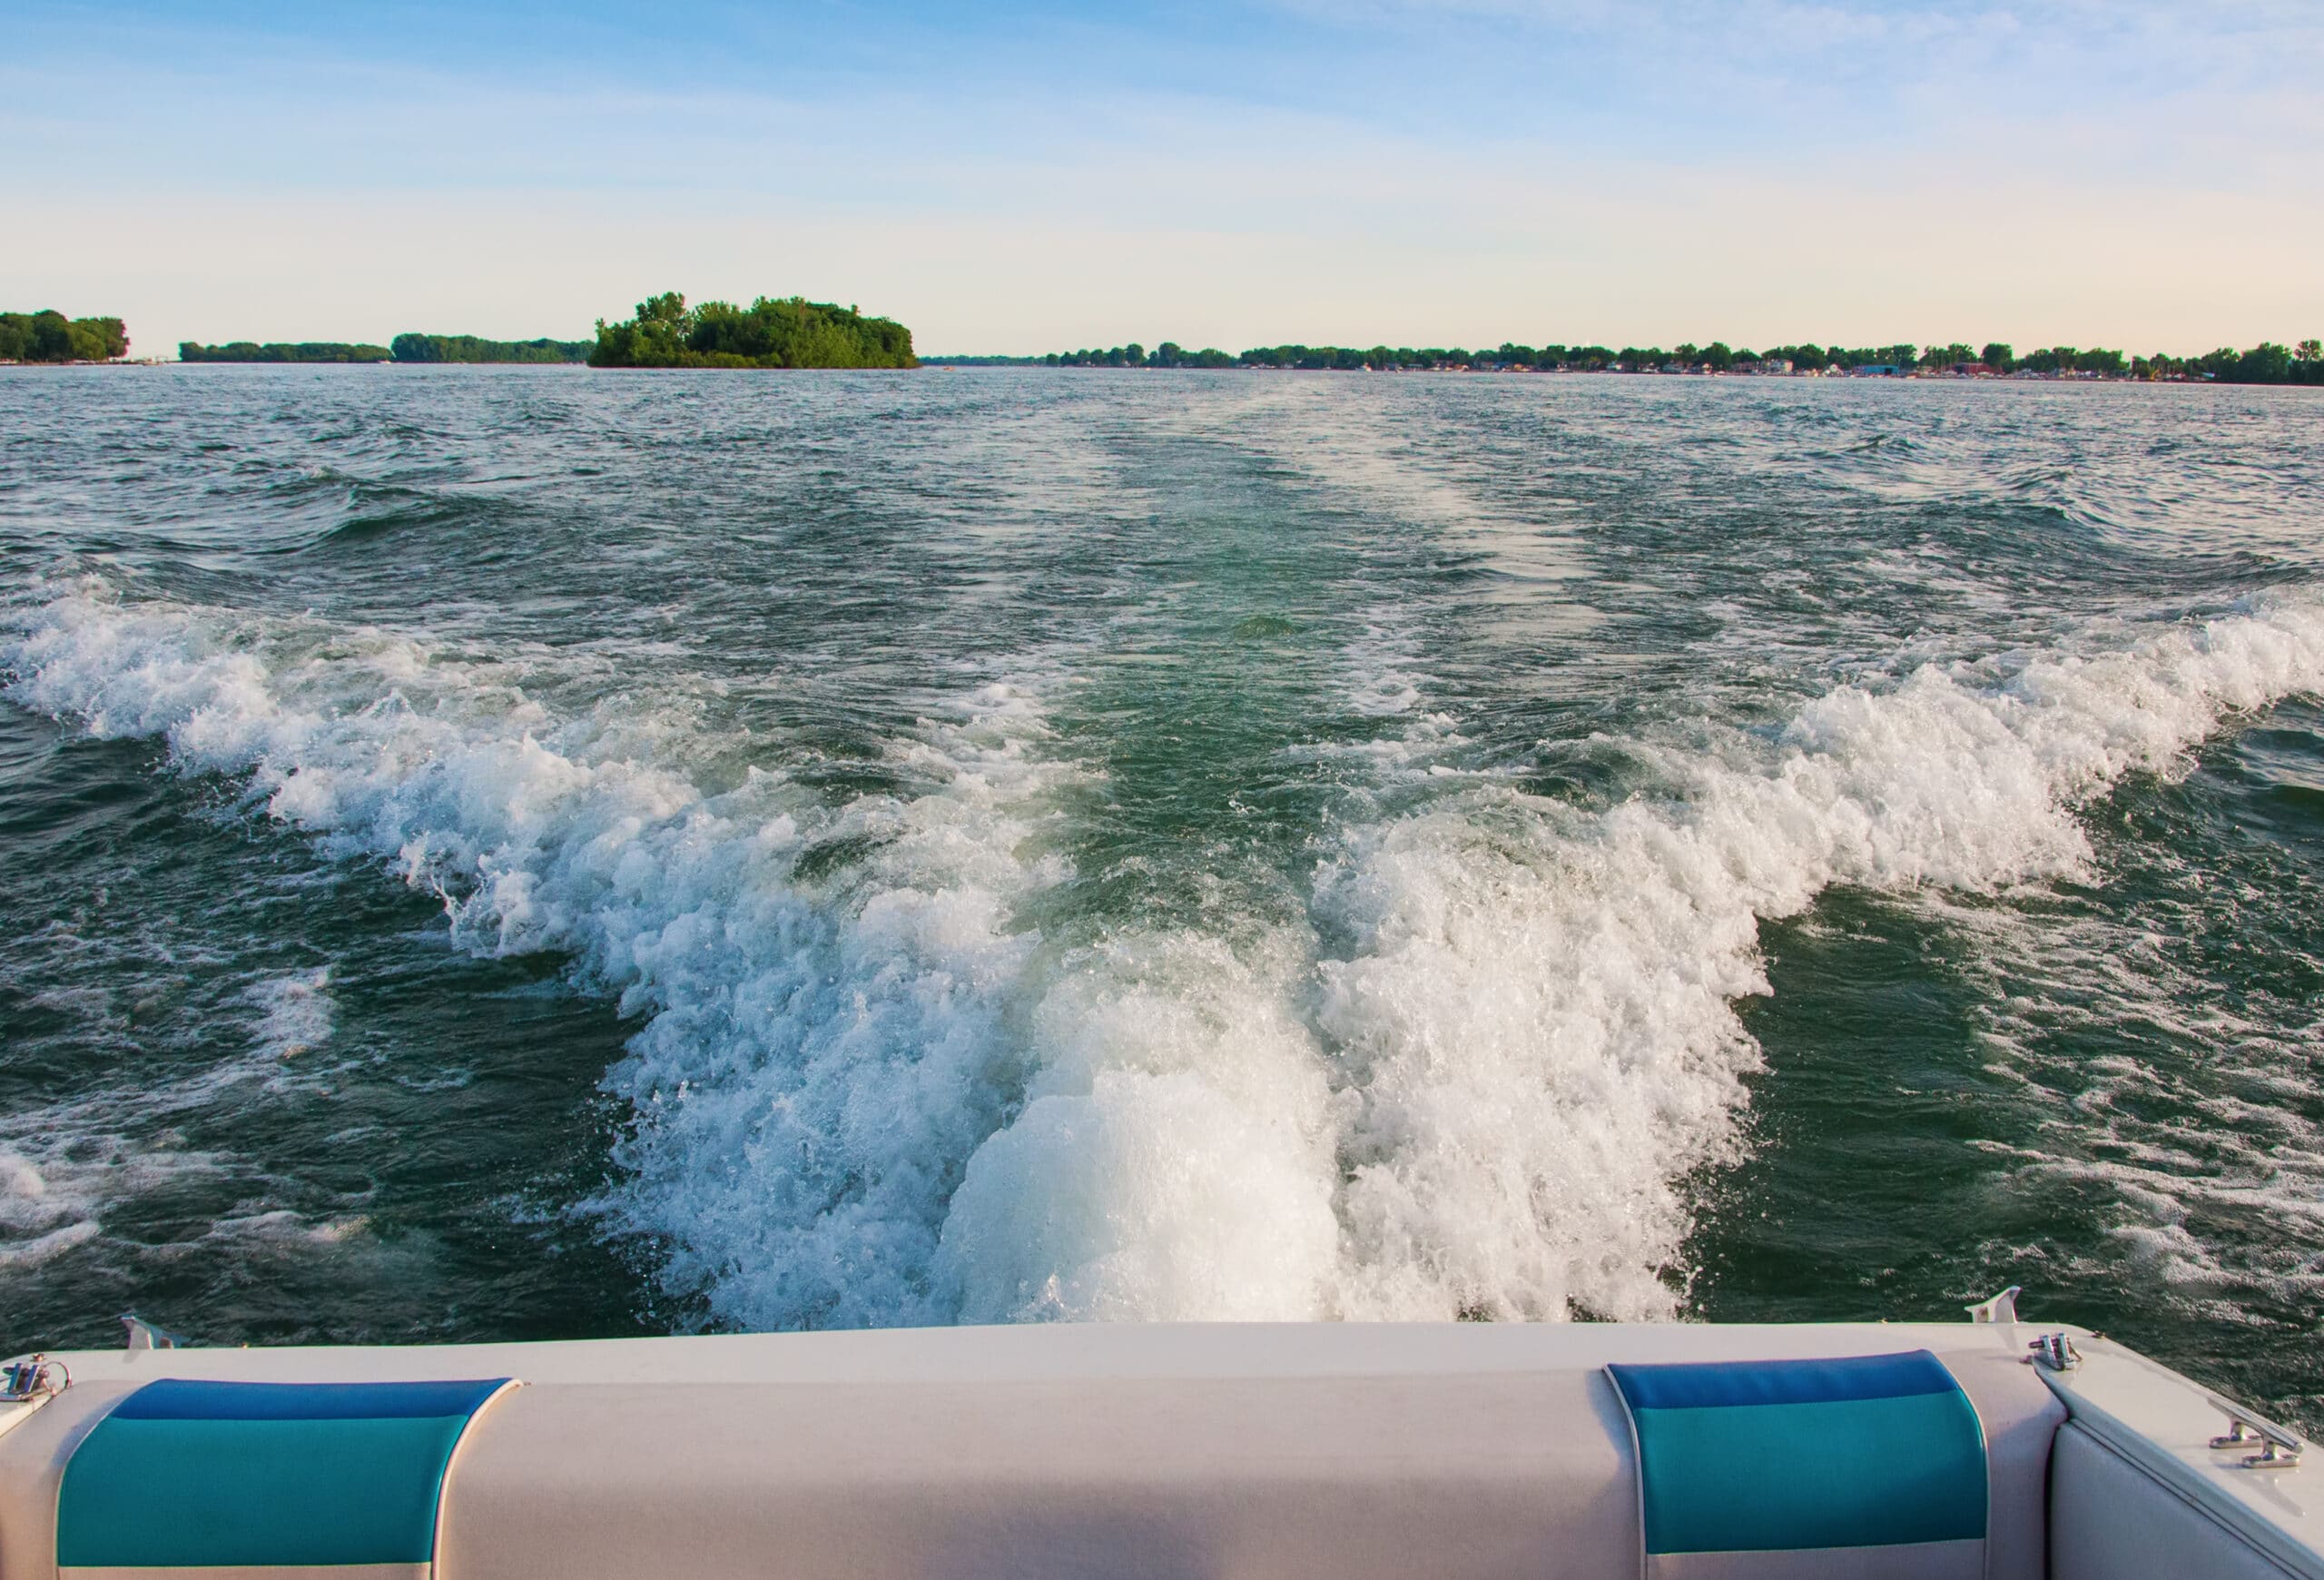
pixel 1341 1450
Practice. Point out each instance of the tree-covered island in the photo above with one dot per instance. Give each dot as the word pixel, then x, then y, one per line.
pixel 772 333
pixel 48 336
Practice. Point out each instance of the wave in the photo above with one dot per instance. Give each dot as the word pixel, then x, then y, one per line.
pixel 869 1090
pixel 819 1055
pixel 1538 1011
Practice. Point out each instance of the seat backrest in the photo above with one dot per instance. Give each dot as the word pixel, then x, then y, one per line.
pixel 292 1478
pixel 1867 1464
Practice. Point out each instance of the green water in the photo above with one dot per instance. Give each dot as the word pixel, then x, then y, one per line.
pixel 523 852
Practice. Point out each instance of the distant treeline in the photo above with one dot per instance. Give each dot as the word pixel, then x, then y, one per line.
pixel 48 336
pixel 420 348
pixel 280 352
pixel 772 333
pixel 1171 354
pixel 407 348
pixel 2267 363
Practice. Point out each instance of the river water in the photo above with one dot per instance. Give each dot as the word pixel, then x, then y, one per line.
pixel 531 853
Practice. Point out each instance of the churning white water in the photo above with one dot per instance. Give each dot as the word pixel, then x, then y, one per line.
pixel 1472 1077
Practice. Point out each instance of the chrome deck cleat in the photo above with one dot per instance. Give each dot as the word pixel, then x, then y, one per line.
pixel 36 1377
pixel 2279 1447
pixel 2056 1351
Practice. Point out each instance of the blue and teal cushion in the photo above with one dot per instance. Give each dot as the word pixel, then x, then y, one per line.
pixel 1740 1462
pixel 281 1476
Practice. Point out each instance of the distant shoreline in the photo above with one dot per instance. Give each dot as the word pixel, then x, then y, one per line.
pixel 1007 364
pixel 793 334
pixel 2265 363
pixel 988 364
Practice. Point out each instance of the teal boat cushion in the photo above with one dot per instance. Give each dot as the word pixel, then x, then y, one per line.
pixel 186 1475
pixel 1863 1451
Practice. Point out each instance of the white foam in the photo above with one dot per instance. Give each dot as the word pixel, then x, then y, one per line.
pixel 35 1223
pixel 868 1091
pixel 820 1055
pixel 296 1013
pixel 31 1253
pixel 1384 687
pixel 1174 1158
pixel 59 1174
pixel 1538 1020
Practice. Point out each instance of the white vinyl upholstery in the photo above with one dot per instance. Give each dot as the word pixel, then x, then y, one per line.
pixel 2108 1521
pixel 1328 1478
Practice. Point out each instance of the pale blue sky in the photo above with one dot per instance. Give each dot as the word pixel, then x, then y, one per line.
pixel 1034 177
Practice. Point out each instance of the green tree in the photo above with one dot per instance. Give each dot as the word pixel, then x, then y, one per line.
pixel 772 333
pixel 48 336
pixel 2265 363
pixel 426 348
pixel 281 351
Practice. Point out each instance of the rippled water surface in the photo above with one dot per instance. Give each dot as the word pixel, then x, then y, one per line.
pixel 530 853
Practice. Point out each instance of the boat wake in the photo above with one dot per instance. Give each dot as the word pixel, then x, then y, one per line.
pixel 868 1089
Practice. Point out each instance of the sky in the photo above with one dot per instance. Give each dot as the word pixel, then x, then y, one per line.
pixel 1012 178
